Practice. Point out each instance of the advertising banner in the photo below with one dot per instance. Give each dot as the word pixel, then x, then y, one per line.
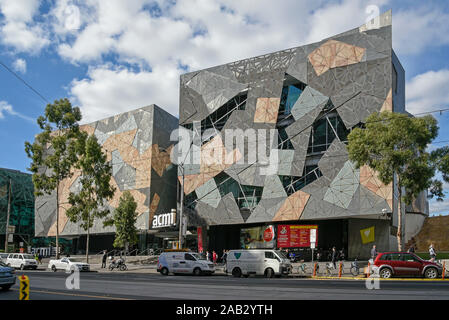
pixel 262 237
pixel 296 236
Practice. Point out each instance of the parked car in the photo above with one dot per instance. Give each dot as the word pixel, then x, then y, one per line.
pixel 258 262
pixel 7 276
pixel 184 262
pixel 68 265
pixel 390 264
pixel 21 261
pixel 3 257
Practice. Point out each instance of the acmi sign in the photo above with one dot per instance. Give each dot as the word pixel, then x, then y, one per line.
pixel 164 219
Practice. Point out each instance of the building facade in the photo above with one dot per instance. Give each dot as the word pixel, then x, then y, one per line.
pixel 138 145
pixel 313 95
pixel 17 198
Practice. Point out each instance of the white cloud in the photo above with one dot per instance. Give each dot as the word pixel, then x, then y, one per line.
pixel 20 65
pixel 109 90
pixel 18 30
pixel 428 91
pixel 5 107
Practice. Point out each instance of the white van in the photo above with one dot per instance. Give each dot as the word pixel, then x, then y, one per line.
pixel 264 262
pixel 184 262
pixel 22 261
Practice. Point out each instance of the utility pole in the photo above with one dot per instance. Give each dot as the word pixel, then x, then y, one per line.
pixel 7 217
pixel 182 210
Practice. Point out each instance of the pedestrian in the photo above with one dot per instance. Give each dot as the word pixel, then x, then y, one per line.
pixel 208 256
pixel 411 249
pixel 373 253
pixel 39 258
pixel 224 256
pixel 342 254
pixel 432 253
pixel 334 257
pixel 214 257
pixel 103 259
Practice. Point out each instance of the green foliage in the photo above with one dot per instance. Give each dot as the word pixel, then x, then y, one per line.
pixel 89 202
pixel 396 143
pixel 125 217
pixel 54 147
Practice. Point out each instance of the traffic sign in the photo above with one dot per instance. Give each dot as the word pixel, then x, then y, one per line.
pixel 24 288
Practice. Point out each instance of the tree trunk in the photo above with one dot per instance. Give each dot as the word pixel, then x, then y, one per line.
pixel 399 234
pixel 87 240
pixel 57 221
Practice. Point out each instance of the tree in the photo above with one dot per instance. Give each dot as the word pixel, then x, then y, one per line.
pixel 394 145
pixel 88 203
pixel 53 152
pixel 124 220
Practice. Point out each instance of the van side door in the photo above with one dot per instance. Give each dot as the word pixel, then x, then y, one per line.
pixel 190 262
pixel 271 261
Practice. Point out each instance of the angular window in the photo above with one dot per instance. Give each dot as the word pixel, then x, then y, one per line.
pixel 324 131
pixel 292 184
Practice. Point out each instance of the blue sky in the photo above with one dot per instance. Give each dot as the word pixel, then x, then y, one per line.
pixel 113 56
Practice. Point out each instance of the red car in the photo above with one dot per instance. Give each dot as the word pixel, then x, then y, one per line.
pixel 390 264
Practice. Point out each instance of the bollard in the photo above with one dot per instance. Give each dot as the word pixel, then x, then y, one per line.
pixel 24 293
pixel 340 269
pixel 367 270
pixel 314 269
pixel 444 269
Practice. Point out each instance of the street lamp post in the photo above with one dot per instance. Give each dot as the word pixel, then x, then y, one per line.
pixel 181 211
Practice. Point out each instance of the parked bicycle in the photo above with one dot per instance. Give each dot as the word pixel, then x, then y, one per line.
pixel 329 268
pixel 355 269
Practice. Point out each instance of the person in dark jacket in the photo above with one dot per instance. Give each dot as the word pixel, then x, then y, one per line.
pixel 373 252
pixel 103 259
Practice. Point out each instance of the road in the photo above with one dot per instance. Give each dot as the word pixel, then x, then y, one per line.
pixel 98 286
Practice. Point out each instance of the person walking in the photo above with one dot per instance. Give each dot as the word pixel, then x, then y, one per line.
pixel 373 253
pixel 411 249
pixel 39 258
pixel 334 257
pixel 208 256
pixel 103 259
pixel 224 256
pixel 432 253
pixel 214 257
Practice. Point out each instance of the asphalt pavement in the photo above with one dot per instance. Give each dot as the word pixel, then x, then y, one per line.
pixel 149 286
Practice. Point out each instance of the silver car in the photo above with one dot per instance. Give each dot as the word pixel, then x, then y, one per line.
pixel 7 276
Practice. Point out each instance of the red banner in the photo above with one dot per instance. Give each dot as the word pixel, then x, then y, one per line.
pixel 199 231
pixel 295 236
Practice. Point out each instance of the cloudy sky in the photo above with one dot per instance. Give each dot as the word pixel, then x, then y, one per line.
pixel 113 56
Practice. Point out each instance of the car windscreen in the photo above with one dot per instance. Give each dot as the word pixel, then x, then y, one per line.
pixel 281 254
pixel 74 260
pixel 28 256
pixel 3 264
pixel 198 256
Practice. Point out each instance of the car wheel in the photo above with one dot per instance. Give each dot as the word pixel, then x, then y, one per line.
pixel 197 271
pixel 6 288
pixel 385 273
pixel 269 273
pixel 236 272
pixel 53 268
pixel 246 275
pixel 431 273
pixel 164 271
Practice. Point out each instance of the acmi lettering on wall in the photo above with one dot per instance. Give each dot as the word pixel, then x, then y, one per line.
pixel 164 220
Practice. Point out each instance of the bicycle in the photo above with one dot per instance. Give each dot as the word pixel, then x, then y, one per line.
pixel 302 268
pixel 355 269
pixel 329 267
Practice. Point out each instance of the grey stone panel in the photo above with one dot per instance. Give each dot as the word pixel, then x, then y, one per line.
pixel 186 77
pixel 370 203
pixel 285 158
pixel 101 136
pixel 215 89
pixel 129 124
pixel 143 221
pixel 318 209
pixel 226 213
pixel 266 210
pixel 45 214
pixel 307 102
pixel 117 162
pixel 298 65
pixel 324 83
pixel 344 186
pixel 126 177
pixel 358 109
pixel 300 143
pixel 208 193
pixel 303 124
pixel 193 106
pixel 273 188
pixel 333 159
